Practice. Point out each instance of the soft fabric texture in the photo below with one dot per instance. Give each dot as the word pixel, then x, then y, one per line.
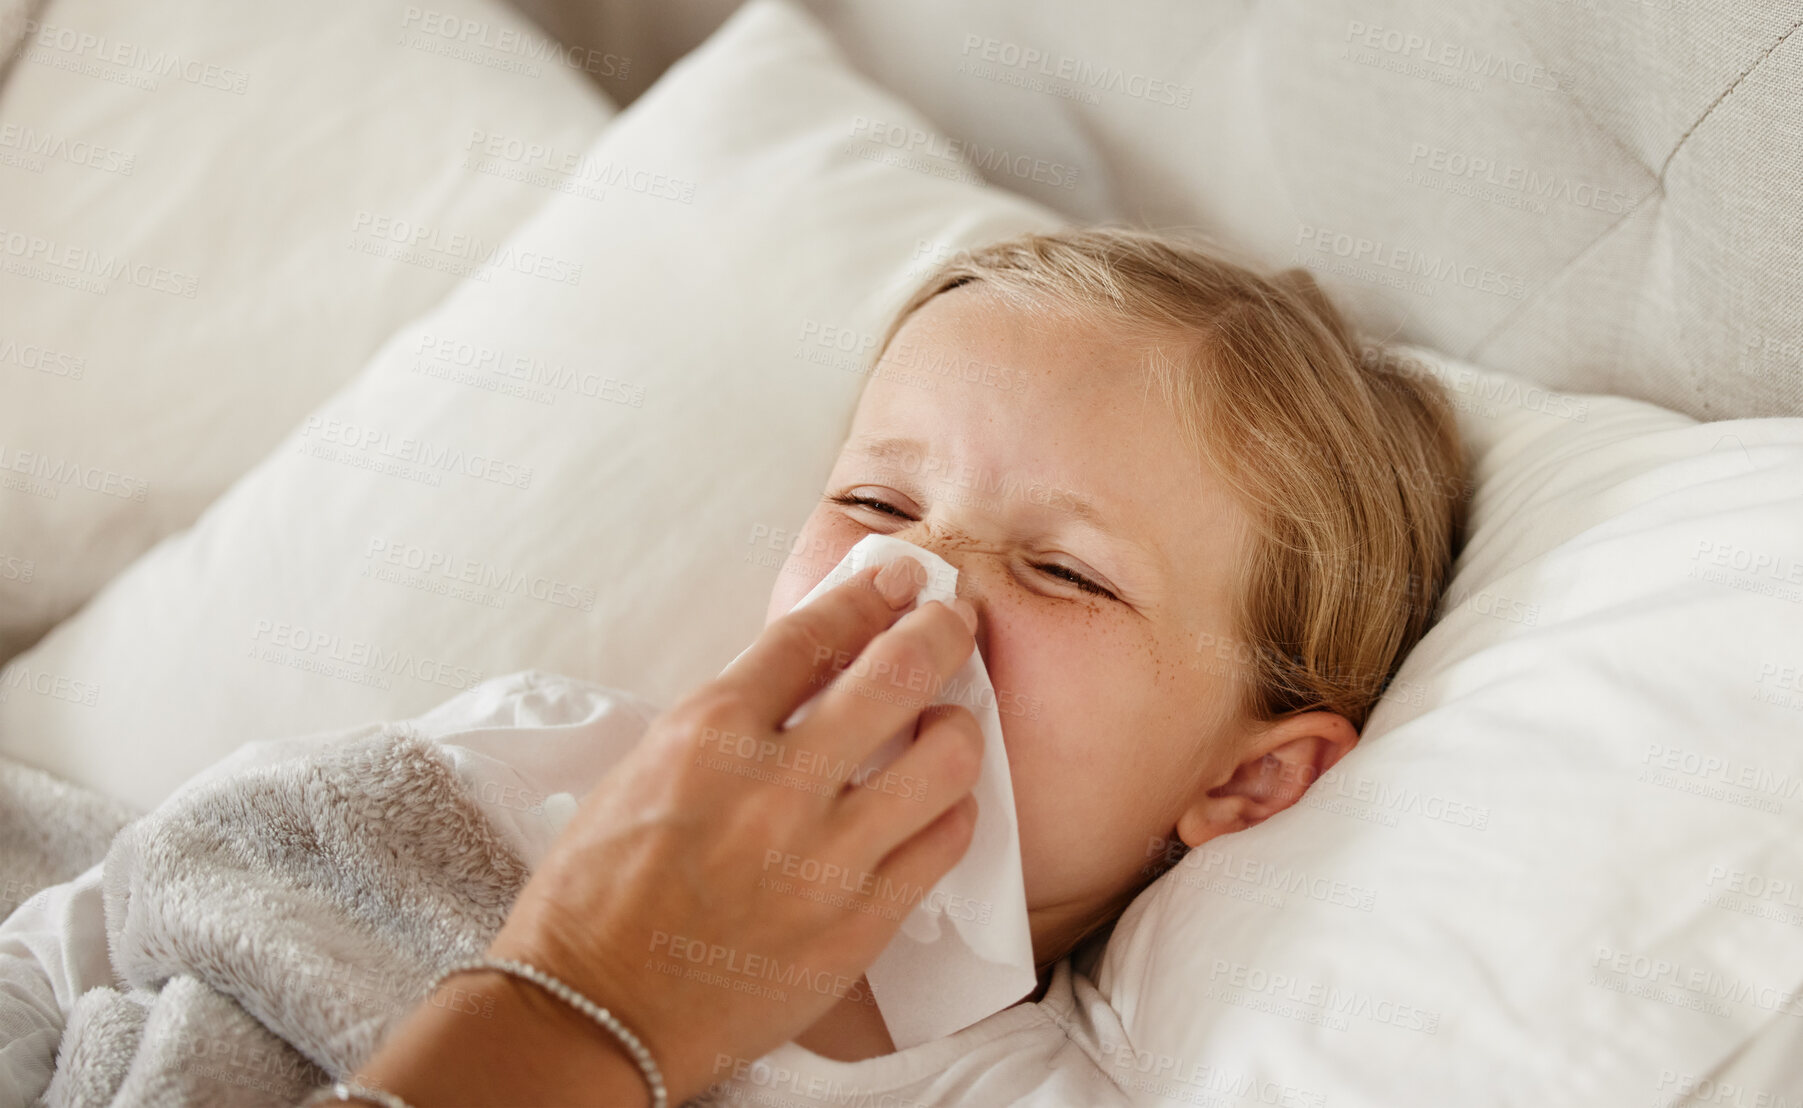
pixel 1600 197
pixel 539 474
pixel 50 831
pixel 211 215
pixel 100 1041
pixel 184 1045
pixel 313 897
pixel 269 923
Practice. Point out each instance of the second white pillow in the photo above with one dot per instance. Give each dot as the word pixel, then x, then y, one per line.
pixel 595 477
pixel 211 214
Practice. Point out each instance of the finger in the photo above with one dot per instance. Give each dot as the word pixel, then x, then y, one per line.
pixel 918 864
pixel 794 657
pixel 885 688
pixel 887 807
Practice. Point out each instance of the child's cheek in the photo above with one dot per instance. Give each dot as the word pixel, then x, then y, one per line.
pixel 1049 666
pixel 1055 728
pixel 808 555
pixel 825 539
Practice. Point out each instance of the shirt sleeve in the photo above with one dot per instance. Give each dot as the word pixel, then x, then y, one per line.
pixel 52 950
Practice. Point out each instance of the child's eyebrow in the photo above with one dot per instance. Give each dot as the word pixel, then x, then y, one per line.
pixel 892 448
pixel 885 449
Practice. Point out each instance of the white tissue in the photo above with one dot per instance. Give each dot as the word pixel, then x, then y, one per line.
pixel 932 979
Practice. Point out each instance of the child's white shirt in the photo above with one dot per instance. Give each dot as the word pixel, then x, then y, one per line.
pixel 529 745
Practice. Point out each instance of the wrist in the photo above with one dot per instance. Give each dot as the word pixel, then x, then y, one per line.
pixel 593 1058
pixel 500 1040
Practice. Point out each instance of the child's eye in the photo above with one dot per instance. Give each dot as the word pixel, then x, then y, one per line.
pixel 870 502
pixel 1050 569
pixel 1053 569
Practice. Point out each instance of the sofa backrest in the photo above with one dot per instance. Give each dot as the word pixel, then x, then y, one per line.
pixel 1600 195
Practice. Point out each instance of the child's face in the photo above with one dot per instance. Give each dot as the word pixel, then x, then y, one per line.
pixel 1115 724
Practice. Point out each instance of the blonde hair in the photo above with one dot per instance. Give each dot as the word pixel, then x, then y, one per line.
pixel 1349 465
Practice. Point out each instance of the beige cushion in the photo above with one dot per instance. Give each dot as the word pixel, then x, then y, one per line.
pixel 201 203
pixel 1604 197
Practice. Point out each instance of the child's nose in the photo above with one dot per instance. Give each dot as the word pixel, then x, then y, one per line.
pixel 962 553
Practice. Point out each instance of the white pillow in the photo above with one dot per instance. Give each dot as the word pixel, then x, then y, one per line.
pixel 1574 643
pixel 189 194
pixel 1583 788
pixel 597 479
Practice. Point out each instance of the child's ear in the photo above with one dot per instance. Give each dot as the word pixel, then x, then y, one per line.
pixel 1277 765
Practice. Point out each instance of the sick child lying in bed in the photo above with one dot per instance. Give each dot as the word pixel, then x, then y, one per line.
pixel 1223 467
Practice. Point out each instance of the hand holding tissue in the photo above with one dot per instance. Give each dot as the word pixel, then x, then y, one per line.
pixel 964 951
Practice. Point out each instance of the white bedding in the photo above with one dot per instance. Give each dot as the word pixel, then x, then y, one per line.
pixel 1546 877
pixel 1518 889
pixel 210 215
pixel 519 743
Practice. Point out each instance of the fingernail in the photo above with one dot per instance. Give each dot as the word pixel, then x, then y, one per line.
pixel 967 610
pixel 897 581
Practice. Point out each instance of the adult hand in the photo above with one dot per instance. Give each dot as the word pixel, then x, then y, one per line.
pixel 679 895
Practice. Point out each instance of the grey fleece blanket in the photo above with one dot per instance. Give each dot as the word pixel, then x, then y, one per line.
pixel 273 924
pixel 50 831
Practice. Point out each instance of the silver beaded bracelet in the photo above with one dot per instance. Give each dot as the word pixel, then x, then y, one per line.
pixel 654 1077
pixel 350 1090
